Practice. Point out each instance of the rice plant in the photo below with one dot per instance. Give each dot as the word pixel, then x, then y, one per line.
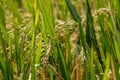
pixel 59 40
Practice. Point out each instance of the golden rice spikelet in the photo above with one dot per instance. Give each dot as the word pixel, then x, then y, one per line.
pixel 78 57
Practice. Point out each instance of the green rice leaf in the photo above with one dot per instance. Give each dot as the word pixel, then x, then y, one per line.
pixel 73 11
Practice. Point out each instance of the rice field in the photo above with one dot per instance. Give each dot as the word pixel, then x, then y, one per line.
pixel 59 39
